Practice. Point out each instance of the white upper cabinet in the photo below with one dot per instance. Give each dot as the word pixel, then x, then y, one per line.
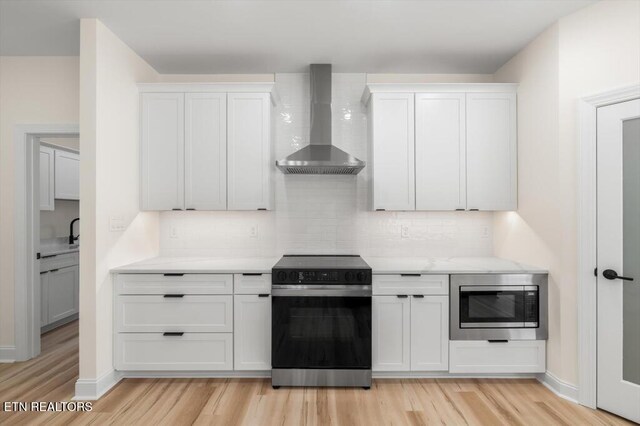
pixel 491 151
pixel 162 151
pixel 67 175
pixel 205 149
pixel 392 151
pixel 465 146
pixel 47 178
pixel 249 152
pixel 440 151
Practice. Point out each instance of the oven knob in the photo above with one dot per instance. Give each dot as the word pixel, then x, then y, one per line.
pixel 293 276
pixel 348 276
pixel 282 276
pixel 361 276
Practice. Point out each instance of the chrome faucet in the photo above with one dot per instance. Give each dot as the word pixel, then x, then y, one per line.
pixel 73 239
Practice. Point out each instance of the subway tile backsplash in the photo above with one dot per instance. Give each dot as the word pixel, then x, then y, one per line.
pixel 324 214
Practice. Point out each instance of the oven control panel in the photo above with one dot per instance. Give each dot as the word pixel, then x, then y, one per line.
pixel 321 277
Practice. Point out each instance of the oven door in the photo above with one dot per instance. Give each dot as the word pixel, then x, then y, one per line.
pixel 321 332
pixel 492 306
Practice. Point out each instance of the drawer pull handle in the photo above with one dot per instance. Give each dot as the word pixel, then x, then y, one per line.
pixel 498 341
pixel 474 210
pixel 173 275
pixel 381 210
pixel 263 295
pixel 402 296
pixel 418 296
pixel 48 256
pixel 262 209
pixel 174 296
pixel 173 333
pixel 459 210
pixel 190 209
pixel 54 270
pixel 251 274
pixel 410 275
pixel 176 209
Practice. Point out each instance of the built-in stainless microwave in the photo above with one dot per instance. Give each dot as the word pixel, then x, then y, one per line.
pixel 498 307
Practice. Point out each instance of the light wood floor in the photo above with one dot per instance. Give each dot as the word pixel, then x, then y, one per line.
pixel 51 377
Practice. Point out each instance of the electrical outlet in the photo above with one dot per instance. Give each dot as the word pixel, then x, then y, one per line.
pixel 404 231
pixel 174 232
pixel 116 224
pixel 485 232
pixel 253 232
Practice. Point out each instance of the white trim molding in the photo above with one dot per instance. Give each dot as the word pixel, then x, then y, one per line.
pixel 587 243
pixel 26 315
pixel 371 88
pixel 234 87
pixel 7 354
pixel 559 387
pixel 93 389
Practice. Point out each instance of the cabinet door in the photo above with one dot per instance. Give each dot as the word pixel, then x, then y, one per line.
pixel 430 333
pixel 393 147
pixel 440 151
pixel 252 332
pixel 162 151
pixel 391 338
pixel 249 151
pixel 205 150
pixel 47 178
pixel 63 296
pixel 491 151
pixel 44 298
pixel 67 175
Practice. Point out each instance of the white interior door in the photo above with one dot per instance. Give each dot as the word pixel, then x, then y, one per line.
pixel 618 171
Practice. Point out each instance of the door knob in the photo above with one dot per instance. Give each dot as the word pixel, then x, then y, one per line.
pixel 610 274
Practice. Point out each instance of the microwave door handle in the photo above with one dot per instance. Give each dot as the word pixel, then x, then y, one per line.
pixel 485 288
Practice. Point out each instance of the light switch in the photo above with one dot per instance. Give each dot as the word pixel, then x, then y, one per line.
pixel 404 231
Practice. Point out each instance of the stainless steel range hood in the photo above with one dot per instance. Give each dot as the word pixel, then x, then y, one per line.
pixel 320 157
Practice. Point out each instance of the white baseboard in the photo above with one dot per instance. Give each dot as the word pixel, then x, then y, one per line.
pixel 7 354
pixel 195 374
pixel 559 387
pixel 92 389
pixel 447 375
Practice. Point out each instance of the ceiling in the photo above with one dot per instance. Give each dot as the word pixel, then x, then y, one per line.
pixel 264 36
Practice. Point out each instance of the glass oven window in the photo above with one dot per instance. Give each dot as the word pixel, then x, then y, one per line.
pixel 480 307
pixel 321 332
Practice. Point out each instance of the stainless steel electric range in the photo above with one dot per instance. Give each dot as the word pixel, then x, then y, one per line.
pixel 321 321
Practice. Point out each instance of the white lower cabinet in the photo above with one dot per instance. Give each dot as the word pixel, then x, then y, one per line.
pixel 410 333
pixel 391 333
pixel 430 333
pixel 514 356
pixel 162 351
pixel 58 294
pixel 252 332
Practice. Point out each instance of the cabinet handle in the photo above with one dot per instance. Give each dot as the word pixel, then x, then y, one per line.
pixel 381 210
pixel 459 210
pixel 263 295
pixel 54 270
pixel 48 256
pixel 43 272
pixel 173 275
pixel 498 341
pixel 176 296
pixel 190 209
pixel 402 296
pixel 474 210
pixel 410 275
pixel 176 210
pixel 418 296
pixel 173 333
pixel 252 274
pixel 262 208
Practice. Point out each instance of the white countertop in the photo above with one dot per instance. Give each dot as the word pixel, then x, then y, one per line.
pixel 379 265
pixel 56 246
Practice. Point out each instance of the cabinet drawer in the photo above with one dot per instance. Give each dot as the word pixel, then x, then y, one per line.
pixel 58 261
pixel 189 313
pixel 191 351
pixel 252 283
pixel 174 283
pixel 515 356
pixel 410 284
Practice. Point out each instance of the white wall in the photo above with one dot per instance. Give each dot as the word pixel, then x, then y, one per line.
pixel 325 214
pixel 109 176
pixel 33 90
pixel 598 49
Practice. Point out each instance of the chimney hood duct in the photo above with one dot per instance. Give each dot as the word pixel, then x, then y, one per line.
pixel 320 157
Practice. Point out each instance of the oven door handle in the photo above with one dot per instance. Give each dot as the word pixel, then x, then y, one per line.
pixel 502 288
pixel 359 291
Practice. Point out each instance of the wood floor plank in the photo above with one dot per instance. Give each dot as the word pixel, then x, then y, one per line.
pixel 252 402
